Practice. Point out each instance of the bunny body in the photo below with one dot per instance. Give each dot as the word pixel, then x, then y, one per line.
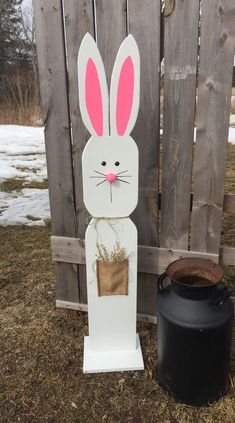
pixel 110 190
pixel 112 319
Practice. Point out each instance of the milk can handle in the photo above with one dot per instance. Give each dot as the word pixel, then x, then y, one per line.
pixel 160 281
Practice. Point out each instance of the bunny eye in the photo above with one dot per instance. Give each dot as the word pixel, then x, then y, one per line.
pixel 117 163
pixel 103 163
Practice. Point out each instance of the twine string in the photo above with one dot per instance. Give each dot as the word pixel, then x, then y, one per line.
pixel 108 220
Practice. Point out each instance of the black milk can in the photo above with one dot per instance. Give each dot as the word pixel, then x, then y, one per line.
pixel 194 331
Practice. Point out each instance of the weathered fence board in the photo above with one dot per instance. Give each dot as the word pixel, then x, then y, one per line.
pixel 227 255
pixel 151 260
pixel 180 67
pixel 229 203
pixel 52 72
pixel 143 20
pixel 110 29
pixel 214 91
pixel 79 19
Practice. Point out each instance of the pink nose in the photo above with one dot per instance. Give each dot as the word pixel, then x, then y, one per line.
pixel 111 177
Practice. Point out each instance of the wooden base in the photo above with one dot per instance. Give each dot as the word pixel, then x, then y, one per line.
pixel 112 361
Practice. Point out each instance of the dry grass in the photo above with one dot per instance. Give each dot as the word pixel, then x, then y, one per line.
pixel 228 221
pixel 230 170
pixel 9 116
pixel 20 102
pixel 17 184
pixel 41 352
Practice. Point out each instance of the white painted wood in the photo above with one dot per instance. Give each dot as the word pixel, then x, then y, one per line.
pixel 112 319
pixel 89 51
pixel 119 198
pixel 112 361
pixel 109 155
pixel 110 190
pixel 128 49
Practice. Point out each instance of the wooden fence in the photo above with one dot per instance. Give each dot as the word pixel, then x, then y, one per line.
pixel 173 218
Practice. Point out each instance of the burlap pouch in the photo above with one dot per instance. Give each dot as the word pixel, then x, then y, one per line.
pixel 112 277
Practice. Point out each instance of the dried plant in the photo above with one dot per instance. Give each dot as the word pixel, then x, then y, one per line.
pixel 20 99
pixel 103 253
pixel 117 254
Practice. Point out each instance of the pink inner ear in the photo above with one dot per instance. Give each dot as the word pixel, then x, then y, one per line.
pixel 125 95
pixel 93 97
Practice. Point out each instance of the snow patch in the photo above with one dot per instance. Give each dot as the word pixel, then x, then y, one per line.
pixel 16 208
pixel 22 155
pixel 231 135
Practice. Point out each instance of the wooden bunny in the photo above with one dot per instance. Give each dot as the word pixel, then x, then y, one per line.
pixel 110 189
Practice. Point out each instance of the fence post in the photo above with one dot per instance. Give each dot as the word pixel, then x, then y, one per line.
pixel 214 96
pixel 180 70
pixel 53 84
pixel 79 19
pixel 144 21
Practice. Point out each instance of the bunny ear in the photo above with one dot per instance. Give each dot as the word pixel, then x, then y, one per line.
pixel 92 85
pixel 125 88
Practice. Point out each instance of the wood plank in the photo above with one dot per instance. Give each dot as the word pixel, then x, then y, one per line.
pixel 68 250
pixel 214 91
pixel 155 260
pixel 180 65
pixel 227 256
pixel 111 30
pixel 79 20
pixel 83 307
pixel 144 24
pixel 151 260
pixel 229 203
pixel 52 73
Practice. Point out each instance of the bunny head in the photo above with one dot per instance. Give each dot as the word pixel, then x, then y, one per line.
pixel 110 158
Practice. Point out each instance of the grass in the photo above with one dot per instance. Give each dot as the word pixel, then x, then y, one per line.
pixel 20 102
pixel 15 116
pixel 26 169
pixel 17 184
pixel 33 218
pixel 230 170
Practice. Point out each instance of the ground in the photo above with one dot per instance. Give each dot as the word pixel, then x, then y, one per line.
pixel 41 347
pixel 41 351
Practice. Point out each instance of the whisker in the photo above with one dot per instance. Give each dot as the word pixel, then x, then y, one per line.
pixel 99 177
pixel 100 173
pixel 126 176
pixel 122 181
pixel 101 182
pixel 111 197
pixel 123 171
